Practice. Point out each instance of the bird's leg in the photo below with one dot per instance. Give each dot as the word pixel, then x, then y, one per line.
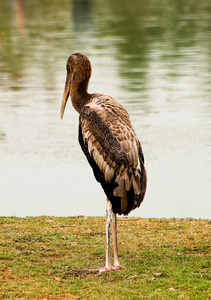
pixel 108 221
pixel 114 229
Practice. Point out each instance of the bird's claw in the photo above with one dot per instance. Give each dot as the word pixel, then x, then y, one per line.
pixel 104 269
pixel 110 268
pixel 115 268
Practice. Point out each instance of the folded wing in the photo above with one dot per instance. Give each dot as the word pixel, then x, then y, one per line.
pixel 114 152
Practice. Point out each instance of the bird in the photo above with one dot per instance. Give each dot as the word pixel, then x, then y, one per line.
pixel 111 146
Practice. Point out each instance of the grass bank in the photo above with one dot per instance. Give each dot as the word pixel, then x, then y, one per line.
pixel 163 259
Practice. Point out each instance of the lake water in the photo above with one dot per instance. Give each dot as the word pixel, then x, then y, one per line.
pixel 153 56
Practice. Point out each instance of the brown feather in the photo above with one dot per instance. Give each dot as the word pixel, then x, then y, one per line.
pixel 128 181
pixel 109 175
pixel 126 145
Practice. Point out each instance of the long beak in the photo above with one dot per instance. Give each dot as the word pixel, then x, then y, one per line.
pixel 65 95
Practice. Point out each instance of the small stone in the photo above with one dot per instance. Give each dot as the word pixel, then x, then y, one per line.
pixel 157 274
pixel 49 221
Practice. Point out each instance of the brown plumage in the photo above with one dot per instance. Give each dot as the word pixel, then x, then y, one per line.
pixel 108 140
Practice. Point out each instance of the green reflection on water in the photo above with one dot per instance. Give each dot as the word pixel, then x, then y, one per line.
pixel 164 28
pixel 140 35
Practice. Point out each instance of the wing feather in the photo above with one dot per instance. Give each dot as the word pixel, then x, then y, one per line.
pixel 114 152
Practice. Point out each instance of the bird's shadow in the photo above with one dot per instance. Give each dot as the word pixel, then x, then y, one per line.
pixel 75 272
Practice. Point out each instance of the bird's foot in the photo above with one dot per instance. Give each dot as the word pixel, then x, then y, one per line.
pixel 110 268
pixel 117 267
pixel 105 269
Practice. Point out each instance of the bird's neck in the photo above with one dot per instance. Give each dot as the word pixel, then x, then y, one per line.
pixel 79 95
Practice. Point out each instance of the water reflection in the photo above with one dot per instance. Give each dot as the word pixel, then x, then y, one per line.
pixel 82 14
pixel 153 56
pixel 19 15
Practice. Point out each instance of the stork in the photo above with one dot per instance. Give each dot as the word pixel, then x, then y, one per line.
pixel 110 145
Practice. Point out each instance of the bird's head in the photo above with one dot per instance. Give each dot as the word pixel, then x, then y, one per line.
pixel 78 74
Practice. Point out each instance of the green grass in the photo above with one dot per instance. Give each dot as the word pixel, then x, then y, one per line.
pixel 163 259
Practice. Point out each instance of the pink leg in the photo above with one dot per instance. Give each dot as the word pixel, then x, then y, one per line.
pixel 109 214
pixel 108 221
pixel 116 260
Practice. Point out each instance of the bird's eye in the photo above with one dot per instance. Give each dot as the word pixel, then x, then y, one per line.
pixel 68 68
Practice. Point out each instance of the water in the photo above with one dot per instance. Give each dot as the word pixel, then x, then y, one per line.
pixel 152 56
